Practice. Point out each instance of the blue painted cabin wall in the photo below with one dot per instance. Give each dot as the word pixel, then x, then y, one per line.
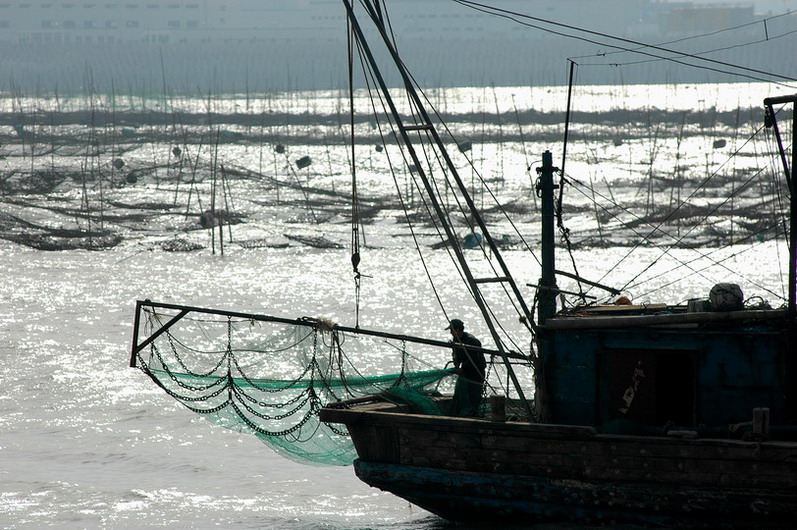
pixel 733 371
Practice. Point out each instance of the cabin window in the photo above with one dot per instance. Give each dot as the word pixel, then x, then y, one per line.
pixel 648 387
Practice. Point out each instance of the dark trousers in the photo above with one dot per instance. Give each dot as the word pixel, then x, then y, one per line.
pixel 467 397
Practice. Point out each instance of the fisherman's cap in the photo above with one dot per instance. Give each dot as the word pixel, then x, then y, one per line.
pixel 456 324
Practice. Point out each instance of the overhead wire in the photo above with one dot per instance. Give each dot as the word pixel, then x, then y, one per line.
pixel 700 35
pixel 700 53
pixel 743 71
pixel 642 46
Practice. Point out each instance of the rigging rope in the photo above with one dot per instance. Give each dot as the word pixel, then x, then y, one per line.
pixel 713 263
pixel 466 215
pixel 367 73
pixel 677 239
pixel 431 183
pixel 657 227
pixel 529 324
pixel 563 230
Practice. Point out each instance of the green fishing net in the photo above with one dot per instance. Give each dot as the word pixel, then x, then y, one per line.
pixel 271 379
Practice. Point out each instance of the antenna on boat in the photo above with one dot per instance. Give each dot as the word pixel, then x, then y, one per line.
pixel 771 121
pixel 424 124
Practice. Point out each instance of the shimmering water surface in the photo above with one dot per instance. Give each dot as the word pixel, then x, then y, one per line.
pixel 86 442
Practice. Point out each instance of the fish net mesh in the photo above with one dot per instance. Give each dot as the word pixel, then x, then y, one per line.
pixel 271 379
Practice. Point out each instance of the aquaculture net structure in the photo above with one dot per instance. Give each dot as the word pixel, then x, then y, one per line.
pixel 269 376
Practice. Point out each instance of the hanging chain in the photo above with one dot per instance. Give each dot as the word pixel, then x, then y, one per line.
pixel 355 204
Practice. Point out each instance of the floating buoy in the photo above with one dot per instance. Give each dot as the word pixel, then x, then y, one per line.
pixel 719 143
pixel 617 141
pixel 472 240
pixel 176 151
pixel 131 178
pixel 378 148
pixel 464 146
pixel 304 162
pixel 207 219
pixel 118 163
pixel 280 148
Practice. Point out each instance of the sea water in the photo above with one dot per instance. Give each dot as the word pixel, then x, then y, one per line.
pixel 87 442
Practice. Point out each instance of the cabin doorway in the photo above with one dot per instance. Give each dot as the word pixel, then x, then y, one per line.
pixel 648 387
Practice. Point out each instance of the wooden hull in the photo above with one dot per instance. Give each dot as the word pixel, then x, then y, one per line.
pixel 467 497
pixel 472 469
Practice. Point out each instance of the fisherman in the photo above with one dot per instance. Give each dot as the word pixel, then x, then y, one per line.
pixel 470 367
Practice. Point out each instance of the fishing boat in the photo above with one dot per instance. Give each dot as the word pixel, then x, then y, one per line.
pixel 653 414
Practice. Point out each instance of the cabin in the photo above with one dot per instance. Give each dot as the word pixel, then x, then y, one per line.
pixel 639 369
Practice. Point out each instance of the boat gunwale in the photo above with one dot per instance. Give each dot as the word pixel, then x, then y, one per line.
pixel 663 319
pixel 372 415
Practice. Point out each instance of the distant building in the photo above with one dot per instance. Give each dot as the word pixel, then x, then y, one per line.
pixel 174 21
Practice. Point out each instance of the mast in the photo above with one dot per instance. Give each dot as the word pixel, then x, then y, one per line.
pixel 789 171
pixel 548 290
pixel 424 124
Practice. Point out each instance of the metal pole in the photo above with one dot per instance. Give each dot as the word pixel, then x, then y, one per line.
pixel 136 325
pixel 793 202
pixel 793 219
pixel 306 322
pixel 546 187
